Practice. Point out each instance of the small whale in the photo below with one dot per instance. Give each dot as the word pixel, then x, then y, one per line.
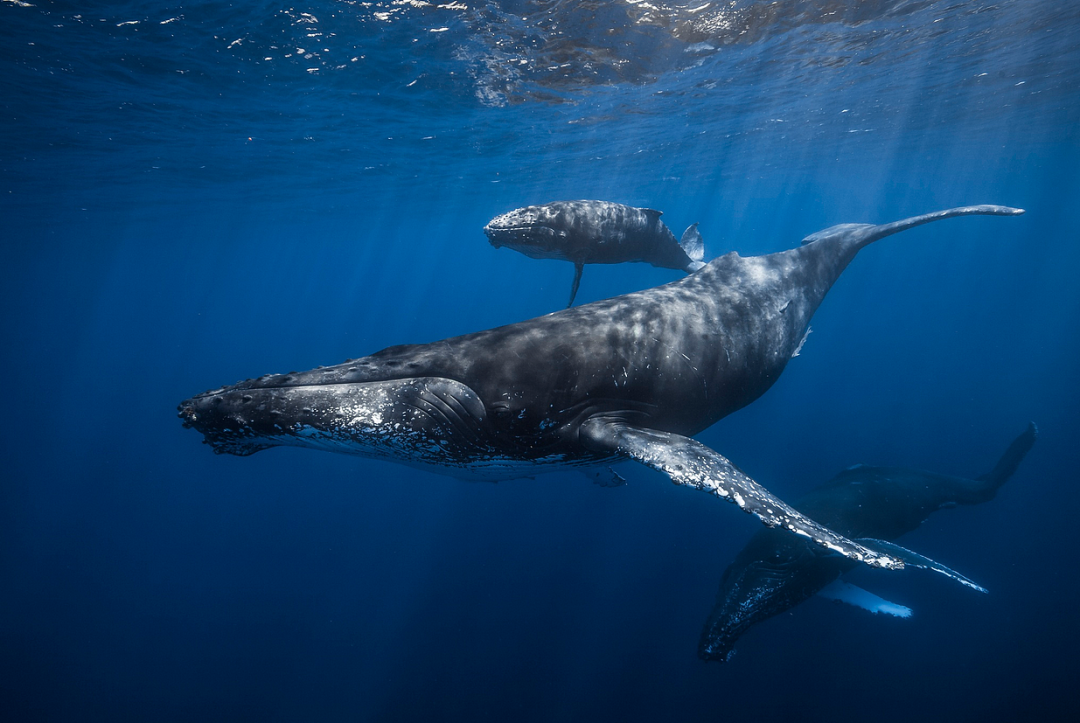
pixel 595 232
pixel 775 572
pixel 627 378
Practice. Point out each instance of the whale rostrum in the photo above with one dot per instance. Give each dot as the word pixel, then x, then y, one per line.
pixel 630 377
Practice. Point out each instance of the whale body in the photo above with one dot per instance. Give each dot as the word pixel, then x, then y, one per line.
pixel 595 232
pixel 631 377
pixel 775 572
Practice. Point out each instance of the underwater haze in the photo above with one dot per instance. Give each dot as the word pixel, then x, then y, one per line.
pixel 196 193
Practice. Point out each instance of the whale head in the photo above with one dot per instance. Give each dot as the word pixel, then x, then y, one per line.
pixel 423 421
pixel 775 571
pixel 539 232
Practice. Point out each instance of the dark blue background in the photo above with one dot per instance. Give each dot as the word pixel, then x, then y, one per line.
pixel 146 579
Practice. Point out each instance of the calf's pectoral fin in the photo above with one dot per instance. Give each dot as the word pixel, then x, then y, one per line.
pixel 578 268
pixel 688 462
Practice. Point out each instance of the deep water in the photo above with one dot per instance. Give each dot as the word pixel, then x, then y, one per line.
pixel 188 199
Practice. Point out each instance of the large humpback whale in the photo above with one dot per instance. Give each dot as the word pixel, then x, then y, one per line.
pixel 595 232
pixel 776 572
pixel 631 377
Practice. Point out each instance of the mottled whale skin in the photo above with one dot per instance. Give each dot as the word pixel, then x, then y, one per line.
pixel 595 232
pixel 775 572
pixel 631 377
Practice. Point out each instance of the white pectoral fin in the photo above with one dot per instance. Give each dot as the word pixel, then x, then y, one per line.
pixel 839 590
pixel 688 462
pixel 914 559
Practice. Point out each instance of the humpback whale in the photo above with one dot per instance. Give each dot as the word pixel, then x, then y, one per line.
pixel 626 378
pixel 776 572
pixel 595 232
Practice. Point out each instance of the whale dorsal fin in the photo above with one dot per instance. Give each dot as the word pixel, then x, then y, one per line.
pixel 843 592
pixel 651 212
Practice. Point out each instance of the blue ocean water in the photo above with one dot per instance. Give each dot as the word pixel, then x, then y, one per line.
pixel 197 193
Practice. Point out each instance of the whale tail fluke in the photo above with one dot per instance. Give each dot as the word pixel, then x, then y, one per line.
pixel 1010 460
pixel 694 247
pixel 864 234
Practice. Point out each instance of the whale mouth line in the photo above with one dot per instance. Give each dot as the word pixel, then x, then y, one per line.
pixel 291 386
pixel 523 230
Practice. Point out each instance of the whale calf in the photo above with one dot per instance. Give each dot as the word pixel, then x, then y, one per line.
pixel 775 572
pixel 626 378
pixel 595 232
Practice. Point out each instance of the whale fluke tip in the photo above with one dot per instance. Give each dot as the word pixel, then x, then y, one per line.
pixel 1004 210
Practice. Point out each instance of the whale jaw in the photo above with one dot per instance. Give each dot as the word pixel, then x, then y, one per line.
pixel 416 418
pixel 530 237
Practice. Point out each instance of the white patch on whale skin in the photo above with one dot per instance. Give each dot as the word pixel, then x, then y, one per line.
pixel 758 271
pixel 802 341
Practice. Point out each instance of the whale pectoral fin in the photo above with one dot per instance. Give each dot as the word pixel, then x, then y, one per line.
pixel 688 462
pixel 843 592
pixel 578 268
pixel 914 559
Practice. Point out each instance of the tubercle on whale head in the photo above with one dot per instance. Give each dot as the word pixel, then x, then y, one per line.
pixel 515 221
pixel 414 417
pixel 244 417
pixel 529 230
pixel 225 419
pixel 526 216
